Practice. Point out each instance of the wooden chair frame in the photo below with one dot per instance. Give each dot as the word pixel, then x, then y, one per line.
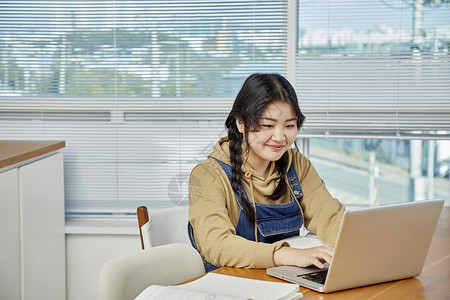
pixel 142 215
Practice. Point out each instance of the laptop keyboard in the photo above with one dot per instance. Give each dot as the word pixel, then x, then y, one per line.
pixel 318 276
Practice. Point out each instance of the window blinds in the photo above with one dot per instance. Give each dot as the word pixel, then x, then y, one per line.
pixel 374 67
pixel 139 90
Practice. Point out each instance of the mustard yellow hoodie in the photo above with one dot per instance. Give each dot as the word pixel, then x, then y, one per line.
pixel 214 211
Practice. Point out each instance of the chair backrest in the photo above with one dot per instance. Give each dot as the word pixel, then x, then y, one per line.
pixel 142 215
pixel 124 278
pixel 164 226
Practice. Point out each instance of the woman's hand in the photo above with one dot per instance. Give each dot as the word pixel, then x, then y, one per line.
pixel 316 256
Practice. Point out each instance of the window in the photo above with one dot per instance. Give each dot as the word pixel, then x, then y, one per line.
pixel 139 90
pixel 373 80
pixel 381 171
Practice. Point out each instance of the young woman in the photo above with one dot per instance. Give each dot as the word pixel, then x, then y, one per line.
pixel 254 190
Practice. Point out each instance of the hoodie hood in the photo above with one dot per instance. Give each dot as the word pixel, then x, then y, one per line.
pixel 252 180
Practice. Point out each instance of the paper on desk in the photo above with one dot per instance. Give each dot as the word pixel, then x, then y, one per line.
pixel 244 287
pixel 223 287
pixel 159 292
pixel 302 242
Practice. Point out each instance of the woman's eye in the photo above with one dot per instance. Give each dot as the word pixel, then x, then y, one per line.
pixel 290 126
pixel 267 125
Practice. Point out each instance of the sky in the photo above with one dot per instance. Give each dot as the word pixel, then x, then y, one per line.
pixel 353 14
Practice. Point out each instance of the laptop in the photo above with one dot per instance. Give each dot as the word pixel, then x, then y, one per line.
pixel 374 245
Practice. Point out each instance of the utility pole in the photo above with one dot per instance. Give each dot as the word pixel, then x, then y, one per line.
pixel 417 181
pixel 372 145
pixel 417 22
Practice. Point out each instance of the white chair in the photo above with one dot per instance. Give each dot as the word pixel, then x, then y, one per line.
pixel 164 226
pixel 124 278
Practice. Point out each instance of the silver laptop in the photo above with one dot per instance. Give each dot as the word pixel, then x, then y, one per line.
pixel 374 245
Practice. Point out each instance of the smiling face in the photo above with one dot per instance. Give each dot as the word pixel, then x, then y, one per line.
pixel 275 135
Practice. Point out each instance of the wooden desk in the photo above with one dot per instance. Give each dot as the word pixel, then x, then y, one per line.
pixel 432 283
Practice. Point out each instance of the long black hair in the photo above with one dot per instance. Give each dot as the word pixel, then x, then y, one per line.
pixel 258 91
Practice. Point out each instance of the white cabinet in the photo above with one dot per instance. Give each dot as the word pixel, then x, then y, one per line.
pixel 9 235
pixel 32 235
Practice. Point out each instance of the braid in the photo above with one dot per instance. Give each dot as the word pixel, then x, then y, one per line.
pixel 280 190
pixel 235 159
pixel 235 147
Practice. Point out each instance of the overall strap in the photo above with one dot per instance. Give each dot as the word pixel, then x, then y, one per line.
pixel 294 182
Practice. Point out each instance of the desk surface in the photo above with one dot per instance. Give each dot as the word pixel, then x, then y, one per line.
pixel 432 283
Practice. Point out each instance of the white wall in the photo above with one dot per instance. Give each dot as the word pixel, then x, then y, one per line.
pixel 86 252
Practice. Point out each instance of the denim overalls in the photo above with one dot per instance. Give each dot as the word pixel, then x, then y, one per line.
pixel 274 222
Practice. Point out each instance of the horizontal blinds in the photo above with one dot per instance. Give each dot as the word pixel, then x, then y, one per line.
pixel 138 48
pixel 373 67
pixel 139 90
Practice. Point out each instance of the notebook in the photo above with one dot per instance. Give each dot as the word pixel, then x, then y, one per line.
pixel 375 244
pixel 223 287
